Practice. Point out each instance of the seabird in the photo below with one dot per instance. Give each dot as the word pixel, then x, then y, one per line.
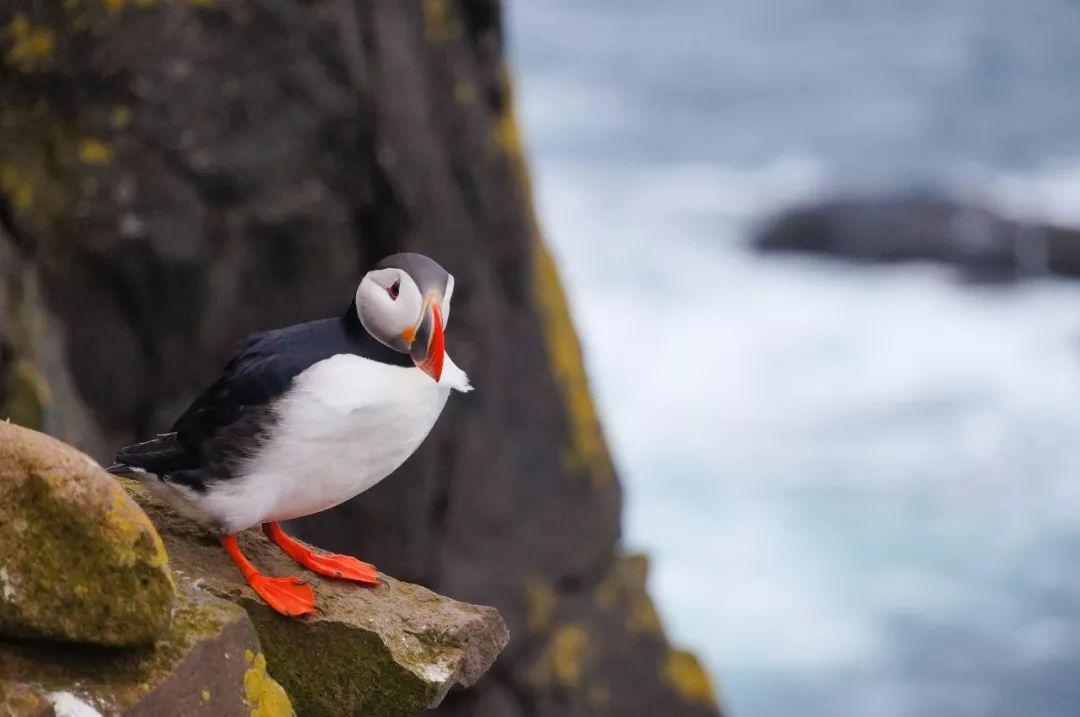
pixel 306 417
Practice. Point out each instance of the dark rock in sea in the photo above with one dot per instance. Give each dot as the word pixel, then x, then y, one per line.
pixel 984 245
pixel 174 176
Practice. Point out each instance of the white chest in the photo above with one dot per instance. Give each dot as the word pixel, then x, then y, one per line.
pixel 346 424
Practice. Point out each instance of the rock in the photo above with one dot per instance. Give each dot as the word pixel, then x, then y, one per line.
pixel 394 649
pixel 79 561
pixel 208 664
pixel 21 700
pixel 166 190
pixel 982 244
pixel 573 672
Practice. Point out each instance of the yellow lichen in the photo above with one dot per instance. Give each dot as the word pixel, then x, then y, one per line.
pixel 440 22
pixel 684 673
pixel 31 45
pixel 114 588
pixel 38 150
pixel 567 653
pixel 94 151
pixel 264 696
pixel 643 616
pixel 113 5
pixel 539 604
pixel 205 695
pixel 609 590
pixel 587 450
pixel 120 117
pixel 13 186
pixel 26 398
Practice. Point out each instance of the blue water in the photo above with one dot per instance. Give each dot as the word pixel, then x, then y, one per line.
pixel 859 485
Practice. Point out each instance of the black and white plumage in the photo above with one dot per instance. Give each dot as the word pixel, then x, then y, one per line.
pixel 306 417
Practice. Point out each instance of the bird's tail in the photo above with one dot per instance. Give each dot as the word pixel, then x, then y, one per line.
pixel 123 469
pixel 161 455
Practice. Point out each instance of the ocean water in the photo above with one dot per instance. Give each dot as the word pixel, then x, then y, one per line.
pixel 860 486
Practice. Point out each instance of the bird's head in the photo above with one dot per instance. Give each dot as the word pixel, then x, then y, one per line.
pixel 404 302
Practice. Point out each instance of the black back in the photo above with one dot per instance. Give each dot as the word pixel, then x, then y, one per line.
pixel 229 420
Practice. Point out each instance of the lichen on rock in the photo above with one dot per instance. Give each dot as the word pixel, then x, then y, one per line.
pixel 199 668
pixel 79 561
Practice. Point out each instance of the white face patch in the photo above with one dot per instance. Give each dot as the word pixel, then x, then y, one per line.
pixel 388 303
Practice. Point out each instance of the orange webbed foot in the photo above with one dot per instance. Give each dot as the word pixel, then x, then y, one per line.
pixel 342 567
pixel 289 596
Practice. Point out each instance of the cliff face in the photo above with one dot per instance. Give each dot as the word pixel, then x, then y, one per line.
pixel 176 175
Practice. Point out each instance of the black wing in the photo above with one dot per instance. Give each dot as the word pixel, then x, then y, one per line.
pixel 230 418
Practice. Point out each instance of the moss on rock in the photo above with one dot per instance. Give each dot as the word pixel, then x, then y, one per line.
pixel 197 669
pixel 24 396
pixel 79 561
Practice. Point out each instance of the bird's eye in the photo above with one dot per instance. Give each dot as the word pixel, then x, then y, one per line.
pixel 394 289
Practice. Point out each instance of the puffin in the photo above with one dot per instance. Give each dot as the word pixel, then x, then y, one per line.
pixel 306 417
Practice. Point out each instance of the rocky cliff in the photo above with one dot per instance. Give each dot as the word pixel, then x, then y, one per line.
pixel 175 175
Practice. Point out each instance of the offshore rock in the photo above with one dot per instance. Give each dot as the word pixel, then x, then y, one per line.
pixel 984 245
pixel 79 561
pixel 393 649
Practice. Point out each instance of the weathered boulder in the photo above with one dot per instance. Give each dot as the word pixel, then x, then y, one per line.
pixel 209 664
pixel 984 245
pixel 79 561
pixel 393 649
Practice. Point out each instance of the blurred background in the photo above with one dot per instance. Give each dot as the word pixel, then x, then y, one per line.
pixel 856 477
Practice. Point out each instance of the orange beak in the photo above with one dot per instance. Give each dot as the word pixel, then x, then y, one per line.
pixel 429 345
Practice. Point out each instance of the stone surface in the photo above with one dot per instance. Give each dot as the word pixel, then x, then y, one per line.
pixel 175 175
pixel 209 664
pixel 572 672
pixel 79 561
pixel 22 700
pixel 982 244
pixel 393 649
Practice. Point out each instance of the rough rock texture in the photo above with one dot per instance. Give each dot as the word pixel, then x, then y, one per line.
pixel 79 561
pixel 209 664
pixel 393 649
pixel 982 244
pixel 174 175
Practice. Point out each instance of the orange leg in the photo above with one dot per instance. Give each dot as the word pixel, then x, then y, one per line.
pixel 289 596
pixel 343 567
